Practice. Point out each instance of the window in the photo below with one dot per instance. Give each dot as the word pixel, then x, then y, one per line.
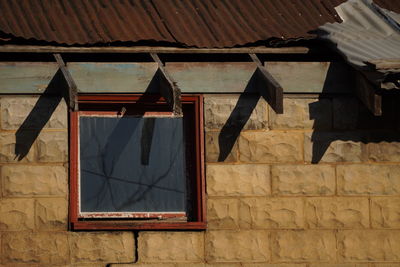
pixel 133 165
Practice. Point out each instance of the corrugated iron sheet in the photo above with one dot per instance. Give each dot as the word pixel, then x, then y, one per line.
pixel 368 32
pixel 198 23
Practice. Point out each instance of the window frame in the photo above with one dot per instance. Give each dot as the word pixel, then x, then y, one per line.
pixel 101 103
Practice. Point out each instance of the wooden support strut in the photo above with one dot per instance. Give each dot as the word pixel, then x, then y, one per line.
pixel 168 88
pixel 268 87
pixel 72 88
pixel 366 92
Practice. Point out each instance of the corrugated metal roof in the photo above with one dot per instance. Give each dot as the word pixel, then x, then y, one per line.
pixel 198 23
pixel 367 33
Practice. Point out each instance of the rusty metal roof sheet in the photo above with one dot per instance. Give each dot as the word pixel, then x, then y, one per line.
pixel 194 23
pixel 367 34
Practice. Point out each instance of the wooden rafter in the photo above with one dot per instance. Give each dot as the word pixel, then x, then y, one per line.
pixel 72 88
pixel 168 88
pixel 366 92
pixel 268 87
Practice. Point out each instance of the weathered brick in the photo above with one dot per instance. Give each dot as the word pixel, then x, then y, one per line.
pixel 385 264
pixel 297 246
pixel 372 245
pixel 53 147
pixel 303 114
pixel 368 179
pixel 248 113
pixel 97 264
pixel 43 247
pixel 384 151
pixel 266 147
pixel 274 265
pixel 337 212
pixel 171 246
pixel 222 213
pixel 220 149
pixel 339 265
pixel 17 148
pixel 25 180
pixel 303 180
pixel 145 265
pixel 333 147
pixel 33 113
pixel 271 213
pixel 191 264
pixel 231 264
pixel 102 247
pixel 238 180
pixel 237 246
pixel 51 214
pixel 16 214
pixel 385 212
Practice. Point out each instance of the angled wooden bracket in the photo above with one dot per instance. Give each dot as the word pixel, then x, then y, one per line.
pixel 366 92
pixel 268 87
pixel 168 88
pixel 72 88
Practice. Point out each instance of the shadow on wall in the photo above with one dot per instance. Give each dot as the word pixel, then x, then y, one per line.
pixel 39 115
pixel 47 103
pixel 349 120
pixel 238 118
pixel 44 108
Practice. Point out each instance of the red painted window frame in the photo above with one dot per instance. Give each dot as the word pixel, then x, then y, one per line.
pixel 88 103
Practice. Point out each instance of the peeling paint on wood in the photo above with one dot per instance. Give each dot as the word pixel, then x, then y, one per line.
pixel 312 77
pixel 191 77
pixel 219 77
pixel 25 77
pixel 112 77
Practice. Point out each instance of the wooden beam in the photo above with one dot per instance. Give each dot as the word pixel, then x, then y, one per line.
pixel 384 64
pixel 366 92
pixel 191 77
pixel 72 88
pixel 268 87
pixel 151 49
pixel 168 88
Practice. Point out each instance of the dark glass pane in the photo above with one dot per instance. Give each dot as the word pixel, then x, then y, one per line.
pixel 132 164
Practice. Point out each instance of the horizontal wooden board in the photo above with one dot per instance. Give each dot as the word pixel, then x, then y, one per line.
pixel 199 77
pixel 152 49
pixel 25 77
pixel 312 77
pixel 112 77
pixel 215 77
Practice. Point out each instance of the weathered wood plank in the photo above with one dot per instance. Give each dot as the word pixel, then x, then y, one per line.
pixel 268 87
pixel 201 77
pixel 212 77
pixel 366 93
pixel 112 77
pixel 150 49
pixel 25 77
pixel 72 89
pixel 312 77
pixel 168 88
pixel 385 64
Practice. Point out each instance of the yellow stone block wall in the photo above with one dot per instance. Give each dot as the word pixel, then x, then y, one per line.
pixel 316 186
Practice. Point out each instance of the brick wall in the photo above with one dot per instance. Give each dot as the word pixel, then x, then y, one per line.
pixel 268 204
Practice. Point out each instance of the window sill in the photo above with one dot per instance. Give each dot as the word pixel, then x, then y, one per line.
pixel 110 225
